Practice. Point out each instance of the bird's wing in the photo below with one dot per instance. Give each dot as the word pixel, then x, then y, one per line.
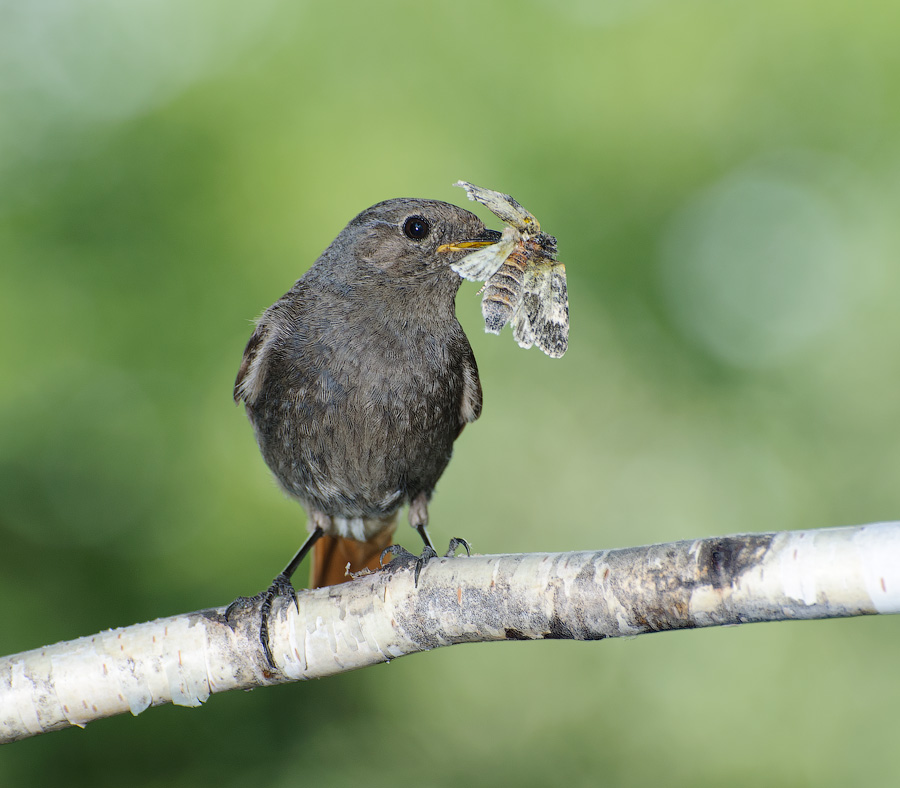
pixel 470 407
pixel 258 354
pixel 248 384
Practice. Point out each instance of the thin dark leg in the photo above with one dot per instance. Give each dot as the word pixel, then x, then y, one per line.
pixel 301 553
pixel 425 537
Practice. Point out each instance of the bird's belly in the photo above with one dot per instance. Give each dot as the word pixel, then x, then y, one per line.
pixel 357 460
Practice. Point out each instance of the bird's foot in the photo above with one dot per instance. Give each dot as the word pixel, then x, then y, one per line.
pixel 455 544
pixel 402 558
pixel 281 586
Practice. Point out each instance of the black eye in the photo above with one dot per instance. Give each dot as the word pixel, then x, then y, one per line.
pixel 416 228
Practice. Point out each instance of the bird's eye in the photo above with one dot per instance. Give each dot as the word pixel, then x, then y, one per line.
pixel 416 228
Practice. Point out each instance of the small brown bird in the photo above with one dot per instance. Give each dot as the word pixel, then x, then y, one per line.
pixel 360 378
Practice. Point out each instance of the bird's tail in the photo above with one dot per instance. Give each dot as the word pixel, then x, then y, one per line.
pixel 335 557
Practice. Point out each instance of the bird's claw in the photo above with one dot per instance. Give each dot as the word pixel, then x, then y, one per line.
pixel 455 544
pixel 404 558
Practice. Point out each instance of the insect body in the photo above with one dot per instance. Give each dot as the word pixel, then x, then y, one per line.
pixel 503 291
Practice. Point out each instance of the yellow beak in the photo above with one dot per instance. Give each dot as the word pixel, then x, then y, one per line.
pixel 462 246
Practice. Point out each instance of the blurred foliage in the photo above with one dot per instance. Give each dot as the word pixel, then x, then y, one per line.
pixel 723 181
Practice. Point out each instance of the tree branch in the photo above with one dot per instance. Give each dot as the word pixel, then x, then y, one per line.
pixel 827 573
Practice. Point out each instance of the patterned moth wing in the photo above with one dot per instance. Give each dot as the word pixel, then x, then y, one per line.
pixel 543 315
pixel 504 207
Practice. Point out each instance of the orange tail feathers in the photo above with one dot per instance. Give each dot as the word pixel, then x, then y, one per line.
pixel 332 554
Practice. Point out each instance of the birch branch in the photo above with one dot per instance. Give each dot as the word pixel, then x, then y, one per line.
pixel 826 573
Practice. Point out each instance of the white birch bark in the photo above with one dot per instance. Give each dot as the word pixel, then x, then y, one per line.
pixel 826 573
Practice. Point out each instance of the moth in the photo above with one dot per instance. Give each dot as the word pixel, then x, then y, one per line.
pixel 525 285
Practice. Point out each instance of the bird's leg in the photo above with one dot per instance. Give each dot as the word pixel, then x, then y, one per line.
pixel 281 586
pixel 418 519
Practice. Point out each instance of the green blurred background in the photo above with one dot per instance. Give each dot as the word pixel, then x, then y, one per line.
pixel 723 178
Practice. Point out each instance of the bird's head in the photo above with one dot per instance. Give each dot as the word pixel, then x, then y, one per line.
pixel 414 240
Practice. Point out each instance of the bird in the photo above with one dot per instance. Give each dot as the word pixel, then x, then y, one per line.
pixel 358 381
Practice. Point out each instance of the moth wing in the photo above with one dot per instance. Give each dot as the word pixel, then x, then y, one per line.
pixel 502 206
pixel 482 264
pixel 521 326
pixel 545 302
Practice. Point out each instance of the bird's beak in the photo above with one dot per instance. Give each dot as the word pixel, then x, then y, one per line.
pixel 487 238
